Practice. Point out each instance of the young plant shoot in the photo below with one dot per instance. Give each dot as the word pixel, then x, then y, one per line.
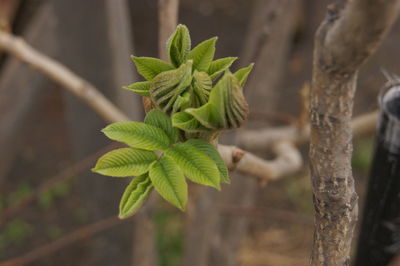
pixel 194 98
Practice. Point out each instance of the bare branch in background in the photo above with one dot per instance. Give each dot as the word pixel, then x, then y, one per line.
pixel 263 138
pixel 347 37
pixel 60 74
pixel 288 160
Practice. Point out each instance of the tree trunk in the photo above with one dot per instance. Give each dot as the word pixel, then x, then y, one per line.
pixel 340 49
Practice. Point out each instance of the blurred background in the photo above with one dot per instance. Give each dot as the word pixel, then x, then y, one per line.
pixel 54 211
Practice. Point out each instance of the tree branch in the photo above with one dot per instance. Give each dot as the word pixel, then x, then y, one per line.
pixel 108 111
pixel 263 138
pixel 288 160
pixel 62 75
pixel 343 42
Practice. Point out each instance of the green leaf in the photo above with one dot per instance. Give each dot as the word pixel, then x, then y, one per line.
pixel 138 135
pixel 187 122
pixel 226 107
pixel 178 45
pixel 142 88
pixel 167 86
pixel 135 195
pixel 125 162
pixel 201 86
pixel 243 73
pixel 161 120
pixel 195 164
pixel 212 152
pixel 203 54
pixel 169 181
pixel 150 67
pixel 218 66
pixel 182 102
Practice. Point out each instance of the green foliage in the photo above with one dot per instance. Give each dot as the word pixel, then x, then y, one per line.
pixel 21 192
pixel 125 162
pixel 141 88
pixel 16 231
pixel 47 198
pixel 138 135
pixel 178 45
pixel 159 119
pixel 243 73
pixel 190 111
pixel 169 237
pixel 362 154
pixel 150 67
pixel 218 66
pixel 135 195
pixel 226 108
pixel 169 181
pixel 209 149
pixel 195 164
pixel 203 54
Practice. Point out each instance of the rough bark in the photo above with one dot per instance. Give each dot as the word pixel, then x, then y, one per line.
pixel 346 38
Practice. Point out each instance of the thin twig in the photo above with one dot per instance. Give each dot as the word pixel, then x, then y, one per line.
pixel 62 75
pixel 288 160
pixel 263 138
pixel 71 238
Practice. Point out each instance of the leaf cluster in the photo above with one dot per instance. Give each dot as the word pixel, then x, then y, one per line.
pixel 195 97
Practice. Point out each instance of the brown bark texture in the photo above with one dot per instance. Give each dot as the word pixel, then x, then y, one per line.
pixel 347 37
